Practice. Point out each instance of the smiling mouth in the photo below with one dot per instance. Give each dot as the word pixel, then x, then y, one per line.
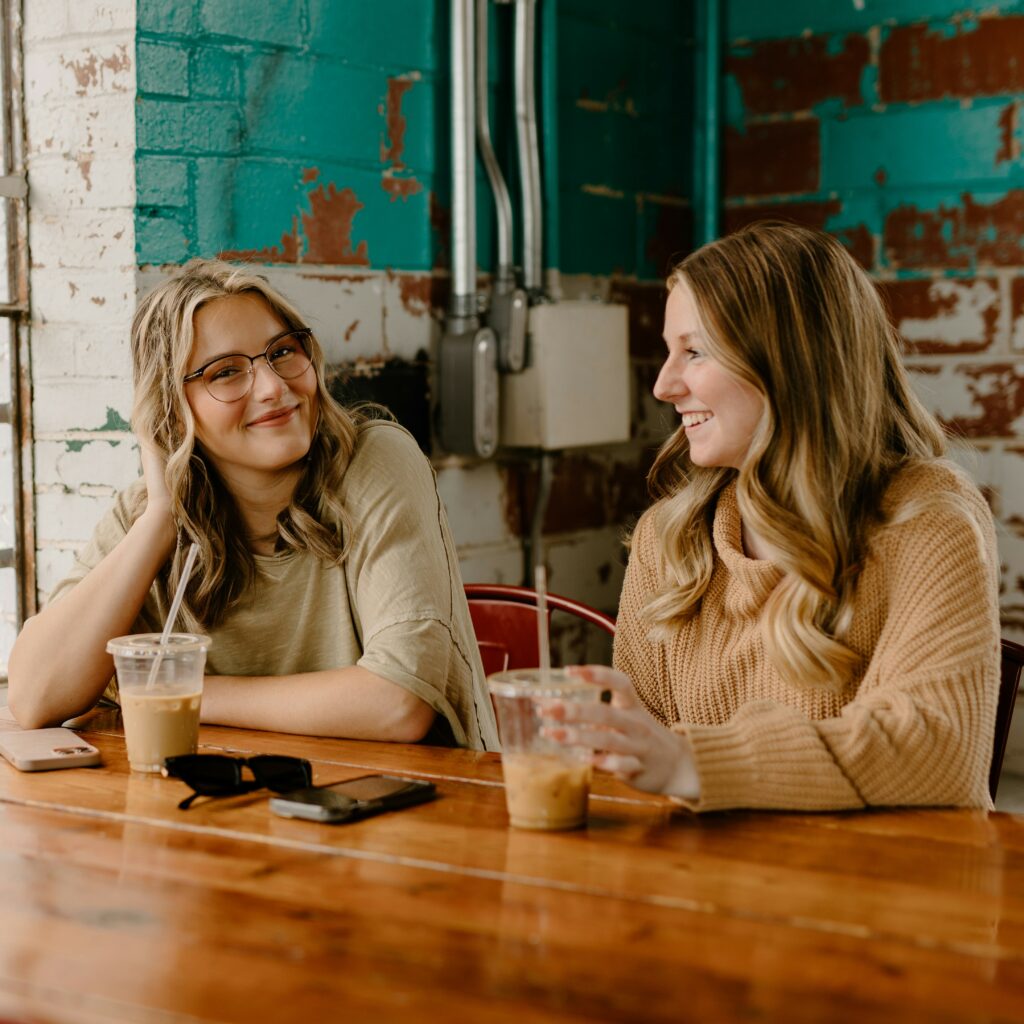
pixel 695 419
pixel 273 419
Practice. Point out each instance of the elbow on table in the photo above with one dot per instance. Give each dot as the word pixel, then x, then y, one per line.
pixel 24 703
pixel 413 721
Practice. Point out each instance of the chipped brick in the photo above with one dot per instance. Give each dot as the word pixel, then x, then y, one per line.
pixel 996 396
pixel 857 238
pixel 779 158
pixel 957 236
pixel 945 316
pixel 786 75
pixel 918 62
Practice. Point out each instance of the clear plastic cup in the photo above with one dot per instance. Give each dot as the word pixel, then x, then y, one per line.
pixel 546 782
pixel 161 688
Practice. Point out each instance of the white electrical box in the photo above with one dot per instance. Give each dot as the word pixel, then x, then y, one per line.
pixel 576 388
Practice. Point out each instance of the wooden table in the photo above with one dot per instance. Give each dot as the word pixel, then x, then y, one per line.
pixel 115 906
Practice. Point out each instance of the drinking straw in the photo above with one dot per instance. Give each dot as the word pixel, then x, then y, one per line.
pixel 179 595
pixel 540 582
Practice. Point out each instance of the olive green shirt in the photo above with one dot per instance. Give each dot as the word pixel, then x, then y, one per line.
pixel 395 607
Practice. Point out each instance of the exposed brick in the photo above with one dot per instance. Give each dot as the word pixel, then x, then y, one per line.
pixel 957 236
pixel 857 238
pixel 925 62
pixel 786 75
pixel 945 316
pixel 994 401
pixel 779 158
pixel 1017 312
pixel 579 499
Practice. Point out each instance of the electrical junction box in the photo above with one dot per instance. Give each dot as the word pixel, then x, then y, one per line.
pixel 575 389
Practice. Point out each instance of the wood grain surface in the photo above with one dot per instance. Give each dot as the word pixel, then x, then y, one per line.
pixel 114 905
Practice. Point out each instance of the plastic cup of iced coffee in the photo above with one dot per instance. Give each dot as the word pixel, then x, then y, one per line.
pixel 161 688
pixel 546 782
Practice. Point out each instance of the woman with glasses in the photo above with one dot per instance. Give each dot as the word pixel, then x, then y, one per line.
pixel 809 618
pixel 326 578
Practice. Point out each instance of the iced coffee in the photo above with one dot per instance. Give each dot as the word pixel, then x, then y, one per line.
pixel 546 783
pixel 161 690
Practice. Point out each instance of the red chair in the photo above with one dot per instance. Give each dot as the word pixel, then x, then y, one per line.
pixel 1012 666
pixel 505 622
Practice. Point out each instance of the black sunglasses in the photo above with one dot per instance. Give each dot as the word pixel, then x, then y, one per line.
pixel 220 775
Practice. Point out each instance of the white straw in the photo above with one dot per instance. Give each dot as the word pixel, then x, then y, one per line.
pixel 540 582
pixel 179 595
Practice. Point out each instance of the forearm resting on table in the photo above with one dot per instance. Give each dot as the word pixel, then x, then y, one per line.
pixel 350 702
pixel 59 665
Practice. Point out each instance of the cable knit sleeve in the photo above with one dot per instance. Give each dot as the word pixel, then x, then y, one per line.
pixel 641 659
pixel 919 729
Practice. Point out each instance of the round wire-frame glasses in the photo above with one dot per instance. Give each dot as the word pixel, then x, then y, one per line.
pixel 229 378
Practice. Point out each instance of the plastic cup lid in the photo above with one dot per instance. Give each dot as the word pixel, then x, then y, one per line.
pixel 143 645
pixel 527 683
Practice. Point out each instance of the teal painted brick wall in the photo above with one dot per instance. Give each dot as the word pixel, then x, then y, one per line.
pixel 898 127
pixel 863 121
pixel 298 131
pixel 316 131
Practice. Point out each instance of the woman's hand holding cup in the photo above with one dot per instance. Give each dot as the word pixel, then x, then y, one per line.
pixel 625 739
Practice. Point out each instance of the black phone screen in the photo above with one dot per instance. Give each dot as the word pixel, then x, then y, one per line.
pixel 371 787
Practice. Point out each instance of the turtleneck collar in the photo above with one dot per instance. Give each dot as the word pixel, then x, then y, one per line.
pixel 750 580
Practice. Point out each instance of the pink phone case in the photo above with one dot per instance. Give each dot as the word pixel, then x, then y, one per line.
pixel 36 750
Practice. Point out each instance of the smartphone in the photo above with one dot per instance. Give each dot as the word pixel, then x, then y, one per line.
pixel 39 750
pixel 356 798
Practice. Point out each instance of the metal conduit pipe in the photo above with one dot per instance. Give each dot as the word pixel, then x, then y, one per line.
pixel 502 201
pixel 463 300
pixel 468 370
pixel 528 145
pixel 708 116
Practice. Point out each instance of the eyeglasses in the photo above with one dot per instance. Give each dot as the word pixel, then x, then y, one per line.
pixel 230 378
pixel 220 775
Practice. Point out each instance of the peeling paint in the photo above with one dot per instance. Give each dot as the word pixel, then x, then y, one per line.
pixel 823 215
pixel 84 162
pixel 88 72
pixel 416 292
pixel 944 316
pixel 393 181
pixel 918 62
pixel 787 75
pixel 286 252
pixel 326 229
pixel 310 174
pixel 1009 145
pixel 957 236
pixel 997 393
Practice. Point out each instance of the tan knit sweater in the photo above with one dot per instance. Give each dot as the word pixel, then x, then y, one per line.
pixel 915 726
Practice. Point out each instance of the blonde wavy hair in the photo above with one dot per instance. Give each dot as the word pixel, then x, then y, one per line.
pixel 787 310
pixel 161 343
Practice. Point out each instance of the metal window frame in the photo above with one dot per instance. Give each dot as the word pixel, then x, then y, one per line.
pixel 18 412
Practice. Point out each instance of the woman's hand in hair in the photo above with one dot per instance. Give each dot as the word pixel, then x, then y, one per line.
pixel 154 468
pixel 625 739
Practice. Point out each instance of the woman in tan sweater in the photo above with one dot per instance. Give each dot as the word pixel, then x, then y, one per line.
pixel 809 618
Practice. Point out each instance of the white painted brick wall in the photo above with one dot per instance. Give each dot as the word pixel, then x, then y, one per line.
pixel 80 125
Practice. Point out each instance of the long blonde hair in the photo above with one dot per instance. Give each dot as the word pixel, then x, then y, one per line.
pixel 787 310
pixel 161 342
